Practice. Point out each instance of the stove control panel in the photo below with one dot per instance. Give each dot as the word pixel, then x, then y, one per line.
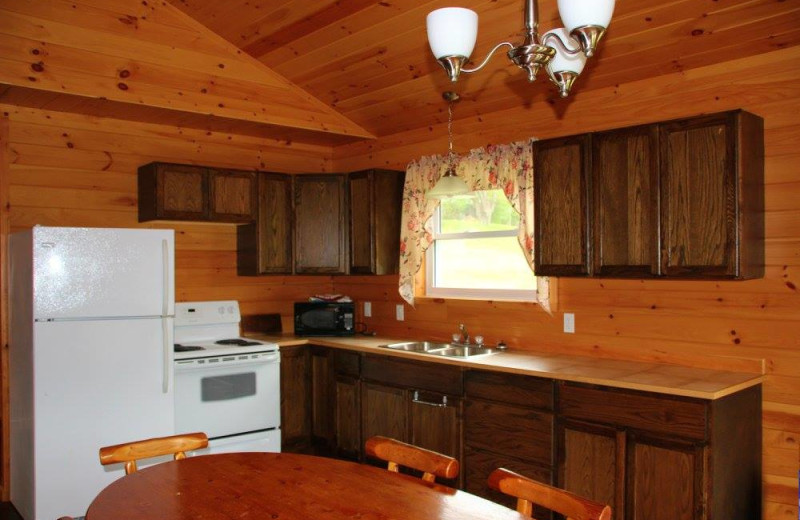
pixel 206 313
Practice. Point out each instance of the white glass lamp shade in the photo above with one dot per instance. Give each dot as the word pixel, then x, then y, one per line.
pixel 448 186
pixel 580 13
pixel 452 31
pixel 563 62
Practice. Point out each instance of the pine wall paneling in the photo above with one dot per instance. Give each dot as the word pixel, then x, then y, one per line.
pixel 731 325
pixel 72 170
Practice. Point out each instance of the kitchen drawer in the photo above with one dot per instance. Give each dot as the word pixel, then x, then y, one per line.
pixel 531 392
pixel 675 416
pixel 347 363
pixel 479 464
pixel 413 374
pixel 511 430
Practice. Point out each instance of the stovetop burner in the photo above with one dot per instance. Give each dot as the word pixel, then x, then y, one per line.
pixel 187 348
pixel 238 342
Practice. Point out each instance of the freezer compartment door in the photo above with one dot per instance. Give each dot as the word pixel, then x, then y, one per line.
pixel 96 273
pixel 97 383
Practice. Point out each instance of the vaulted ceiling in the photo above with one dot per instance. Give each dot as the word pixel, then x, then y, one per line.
pixel 363 67
pixel 370 60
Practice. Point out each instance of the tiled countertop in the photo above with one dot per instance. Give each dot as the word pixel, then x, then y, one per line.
pixel 649 377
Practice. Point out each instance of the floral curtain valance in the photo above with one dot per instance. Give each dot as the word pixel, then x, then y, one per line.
pixel 508 167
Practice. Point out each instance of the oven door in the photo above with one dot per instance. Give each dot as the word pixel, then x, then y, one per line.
pixel 228 395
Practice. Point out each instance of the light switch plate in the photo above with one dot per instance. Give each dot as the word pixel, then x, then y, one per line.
pixel 401 315
pixel 367 309
pixel 569 323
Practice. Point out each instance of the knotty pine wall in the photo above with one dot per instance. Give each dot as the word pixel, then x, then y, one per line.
pixel 709 324
pixel 73 170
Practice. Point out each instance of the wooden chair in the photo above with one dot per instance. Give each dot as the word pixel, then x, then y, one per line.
pixel 130 452
pixel 529 492
pixel 397 453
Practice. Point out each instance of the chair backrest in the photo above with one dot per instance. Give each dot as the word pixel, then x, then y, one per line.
pixel 530 492
pixel 130 452
pixel 397 453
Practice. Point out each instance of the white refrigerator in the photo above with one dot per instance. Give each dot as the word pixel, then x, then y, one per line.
pixel 90 356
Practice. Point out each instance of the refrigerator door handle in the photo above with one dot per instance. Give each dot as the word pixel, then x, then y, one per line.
pixel 165 280
pixel 167 358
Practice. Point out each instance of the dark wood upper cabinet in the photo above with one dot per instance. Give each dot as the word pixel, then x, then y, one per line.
pixel 712 196
pixel 320 231
pixel 625 202
pixel 232 195
pixel 185 192
pixel 172 192
pixel 680 199
pixel 376 198
pixel 265 247
pixel 561 188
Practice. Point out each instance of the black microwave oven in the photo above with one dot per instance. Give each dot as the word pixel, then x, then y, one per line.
pixel 324 319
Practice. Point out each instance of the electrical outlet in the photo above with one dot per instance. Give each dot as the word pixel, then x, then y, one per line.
pixel 367 309
pixel 569 323
pixel 401 315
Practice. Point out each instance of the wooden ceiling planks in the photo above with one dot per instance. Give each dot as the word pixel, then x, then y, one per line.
pixel 98 51
pixel 371 61
pixel 364 66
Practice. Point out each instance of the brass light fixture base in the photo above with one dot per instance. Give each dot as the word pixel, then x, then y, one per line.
pixel 588 36
pixel 452 65
pixel 531 57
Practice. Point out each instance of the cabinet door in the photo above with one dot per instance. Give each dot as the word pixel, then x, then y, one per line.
pixel 265 247
pixel 322 398
pixel 436 424
pixel 698 197
pixel 591 461
pixel 384 411
pixel 362 223
pixel 561 186
pixel 625 198
pixel 348 417
pixel 320 235
pixel 232 196
pixel 665 480
pixel 172 192
pixel 295 399
pixel 479 464
pixel 376 198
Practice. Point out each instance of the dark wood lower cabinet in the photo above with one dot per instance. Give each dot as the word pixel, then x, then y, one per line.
pixel 435 423
pixel 295 399
pixel 658 457
pixel 508 422
pixel 588 463
pixel 322 399
pixel 665 480
pixel 650 456
pixel 348 417
pixel 384 411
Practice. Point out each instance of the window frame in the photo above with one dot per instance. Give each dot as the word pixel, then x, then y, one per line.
pixel 431 291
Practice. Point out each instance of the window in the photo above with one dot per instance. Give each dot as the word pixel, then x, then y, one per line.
pixel 475 251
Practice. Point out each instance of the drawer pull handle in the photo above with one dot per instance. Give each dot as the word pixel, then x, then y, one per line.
pixel 417 400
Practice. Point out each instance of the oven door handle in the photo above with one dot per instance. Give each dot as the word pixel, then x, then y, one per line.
pixel 192 365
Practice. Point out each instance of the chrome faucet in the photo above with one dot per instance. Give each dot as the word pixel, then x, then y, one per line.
pixel 464 334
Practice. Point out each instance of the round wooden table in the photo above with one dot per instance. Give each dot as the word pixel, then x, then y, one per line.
pixel 283 486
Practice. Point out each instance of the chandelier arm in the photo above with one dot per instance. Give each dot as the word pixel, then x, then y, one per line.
pixel 560 43
pixel 488 57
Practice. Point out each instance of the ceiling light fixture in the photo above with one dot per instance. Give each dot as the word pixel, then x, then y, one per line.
pixel 450 184
pixel 452 32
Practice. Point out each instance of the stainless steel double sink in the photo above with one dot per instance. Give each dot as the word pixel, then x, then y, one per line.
pixel 451 350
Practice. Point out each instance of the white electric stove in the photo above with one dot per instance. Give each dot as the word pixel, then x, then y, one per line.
pixel 225 385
